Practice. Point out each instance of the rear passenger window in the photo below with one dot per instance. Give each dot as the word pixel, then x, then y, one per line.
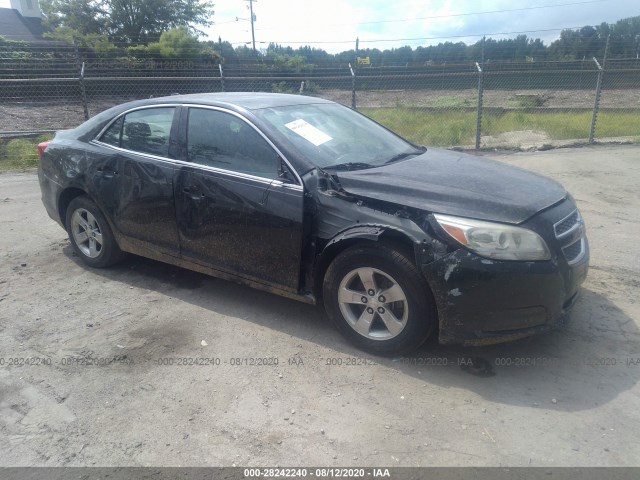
pixel 145 131
pixel 112 135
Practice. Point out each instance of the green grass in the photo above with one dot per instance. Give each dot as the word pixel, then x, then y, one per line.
pixel 457 127
pixel 611 122
pixel 453 101
pixel 437 127
pixel 427 127
pixel 20 153
pixel 558 125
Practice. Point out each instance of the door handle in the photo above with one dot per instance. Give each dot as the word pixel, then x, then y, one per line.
pixel 107 173
pixel 193 193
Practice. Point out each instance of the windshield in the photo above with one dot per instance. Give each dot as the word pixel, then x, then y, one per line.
pixel 333 136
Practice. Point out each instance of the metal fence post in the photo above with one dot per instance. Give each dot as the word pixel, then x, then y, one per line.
pixel 353 87
pixel 596 103
pixel 479 113
pixel 83 91
pixel 221 78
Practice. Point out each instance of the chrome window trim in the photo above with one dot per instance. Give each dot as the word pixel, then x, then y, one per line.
pixel 115 119
pixel 233 173
pixel 239 116
pixel 182 163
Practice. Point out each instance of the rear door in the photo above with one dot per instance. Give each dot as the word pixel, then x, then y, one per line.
pixel 234 213
pixel 141 172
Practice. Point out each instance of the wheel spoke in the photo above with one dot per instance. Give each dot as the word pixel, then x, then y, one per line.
pixel 366 277
pixel 80 237
pixel 393 294
pixel 350 296
pixel 91 220
pixel 78 220
pixel 93 251
pixel 98 237
pixel 394 325
pixel 363 325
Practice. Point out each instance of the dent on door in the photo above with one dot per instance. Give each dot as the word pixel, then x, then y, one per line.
pixel 146 212
pixel 242 226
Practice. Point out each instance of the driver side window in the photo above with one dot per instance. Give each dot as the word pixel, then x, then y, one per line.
pixel 219 139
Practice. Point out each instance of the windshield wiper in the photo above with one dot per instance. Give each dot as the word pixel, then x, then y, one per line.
pixel 348 166
pixel 400 156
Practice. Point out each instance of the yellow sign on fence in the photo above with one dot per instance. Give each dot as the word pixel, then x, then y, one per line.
pixel 363 61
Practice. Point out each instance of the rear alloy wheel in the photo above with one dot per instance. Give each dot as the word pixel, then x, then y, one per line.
pixel 378 300
pixel 90 234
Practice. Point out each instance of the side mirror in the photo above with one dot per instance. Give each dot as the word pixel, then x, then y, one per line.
pixel 284 173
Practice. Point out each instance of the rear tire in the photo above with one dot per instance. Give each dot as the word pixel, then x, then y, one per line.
pixel 90 234
pixel 377 298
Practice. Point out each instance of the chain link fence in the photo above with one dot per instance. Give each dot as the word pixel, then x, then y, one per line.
pixel 480 104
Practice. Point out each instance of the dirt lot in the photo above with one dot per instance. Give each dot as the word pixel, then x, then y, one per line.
pixel 56 115
pixel 492 98
pixel 569 398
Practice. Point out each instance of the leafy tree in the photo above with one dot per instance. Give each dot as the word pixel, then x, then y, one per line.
pixel 176 43
pixel 130 21
pixel 97 42
pixel 223 49
pixel 82 16
pixel 141 21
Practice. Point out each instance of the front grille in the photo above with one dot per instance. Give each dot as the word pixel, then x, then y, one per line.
pixel 566 231
pixel 567 223
pixel 572 252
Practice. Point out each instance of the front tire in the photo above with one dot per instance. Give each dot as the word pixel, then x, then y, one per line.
pixel 377 298
pixel 90 234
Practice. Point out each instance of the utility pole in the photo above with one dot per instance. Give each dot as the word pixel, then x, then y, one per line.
pixel 253 35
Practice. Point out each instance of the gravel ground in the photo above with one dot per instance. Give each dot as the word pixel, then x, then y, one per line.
pixel 491 98
pixel 107 398
pixel 52 115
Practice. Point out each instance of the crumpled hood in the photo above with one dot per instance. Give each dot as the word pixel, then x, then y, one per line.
pixel 454 183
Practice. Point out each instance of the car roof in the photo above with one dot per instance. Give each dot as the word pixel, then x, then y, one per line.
pixel 243 100
pixel 238 101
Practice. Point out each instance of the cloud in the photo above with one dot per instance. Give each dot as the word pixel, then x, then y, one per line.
pixel 318 23
pixel 341 21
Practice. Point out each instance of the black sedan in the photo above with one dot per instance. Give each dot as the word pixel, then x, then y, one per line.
pixel 308 199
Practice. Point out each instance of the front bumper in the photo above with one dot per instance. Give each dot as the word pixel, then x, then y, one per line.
pixel 482 301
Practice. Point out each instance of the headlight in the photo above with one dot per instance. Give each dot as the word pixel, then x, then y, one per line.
pixel 495 240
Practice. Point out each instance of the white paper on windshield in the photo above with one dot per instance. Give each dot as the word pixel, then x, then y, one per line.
pixel 308 132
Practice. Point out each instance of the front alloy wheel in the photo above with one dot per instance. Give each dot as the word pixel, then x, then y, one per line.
pixel 377 298
pixel 373 303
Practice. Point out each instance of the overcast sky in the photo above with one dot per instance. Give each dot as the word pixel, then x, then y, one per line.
pixel 313 22
pixel 375 21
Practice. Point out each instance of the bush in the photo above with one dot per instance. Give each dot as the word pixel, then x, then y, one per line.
pixel 20 153
pixel 283 87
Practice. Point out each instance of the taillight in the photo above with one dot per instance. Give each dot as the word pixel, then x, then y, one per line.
pixel 41 148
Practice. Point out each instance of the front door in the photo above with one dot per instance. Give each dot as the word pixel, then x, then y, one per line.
pixel 233 212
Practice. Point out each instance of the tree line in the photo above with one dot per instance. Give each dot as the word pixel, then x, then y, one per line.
pixel 174 29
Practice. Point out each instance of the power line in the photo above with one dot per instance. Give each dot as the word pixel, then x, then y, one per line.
pixel 228 21
pixel 453 15
pixel 414 38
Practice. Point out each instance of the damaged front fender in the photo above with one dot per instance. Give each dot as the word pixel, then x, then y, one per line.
pixel 338 219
